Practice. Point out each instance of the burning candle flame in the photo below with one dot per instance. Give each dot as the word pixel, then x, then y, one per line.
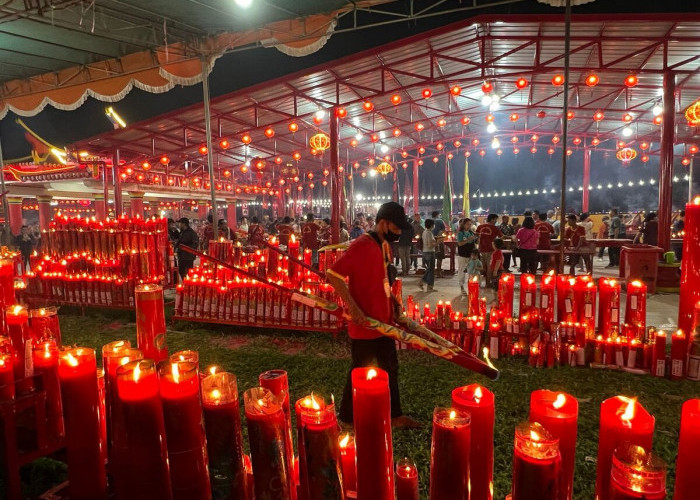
pixel 212 370
pixel 17 309
pixel 534 436
pixel 42 312
pixel 345 441
pixel 371 374
pixel 72 360
pixel 216 394
pixel 628 414
pixel 560 401
pixel 478 394
pixel 453 415
pixel 137 372
pixel 176 373
pixel 122 361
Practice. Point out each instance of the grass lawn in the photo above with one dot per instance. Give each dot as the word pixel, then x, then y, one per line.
pixel 319 363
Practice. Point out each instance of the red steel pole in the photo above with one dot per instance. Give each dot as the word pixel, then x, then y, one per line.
pixel 666 160
pixel 336 187
pixel 415 187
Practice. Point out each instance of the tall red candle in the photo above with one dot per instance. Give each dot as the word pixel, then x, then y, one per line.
pixel 636 307
pixel 637 475
pixel 293 250
pixel 266 424
pixel 7 282
pixel 7 377
pixel 566 299
pixel 479 402
pixel 690 270
pixel 558 413
pixel 586 291
pixel 322 450
pixel 547 288
pixel 679 355
pixel 621 419
pixel 312 402
pixel 150 322
pixel 17 324
pixel 449 455
pixel 45 360
pixel 406 480
pixel 536 463
pixel 45 325
pixel 506 284
pixel 77 371
pixel 372 419
pixel 145 475
pixel 688 461
pixel 222 421
pixel 184 430
pixel 347 457
pixel 608 306
pixel 528 291
pixel 658 354
pixel 474 287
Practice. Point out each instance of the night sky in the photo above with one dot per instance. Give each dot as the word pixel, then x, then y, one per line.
pixel 509 172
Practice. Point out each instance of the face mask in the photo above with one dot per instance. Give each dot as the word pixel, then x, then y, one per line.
pixel 391 236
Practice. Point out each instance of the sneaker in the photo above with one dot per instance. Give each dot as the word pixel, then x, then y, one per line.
pixel 431 289
pixel 420 285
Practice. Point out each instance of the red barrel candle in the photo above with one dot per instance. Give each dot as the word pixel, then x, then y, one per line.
pixel 222 421
pixel 658 354
pixel 146 473
pixel 347 457
pixel 292 266
pixel 637 475
pixel 7 377
pixel 266 425
pixel 372 419
pixel 322 453
pixel 536 463
pixel 688 462
pixel 449 454
pixel 558 413
pixel 679 355
pixel 636 306
pixel 479 402
pixel 621 420
pixel 44 323
pixel 608 306
pixel 528 291
pixel 506 284
pixel 566 299
pixel 17 324
pixel 45 360
pixel 77 371
pixel 184 430
pixel 150 322
pixel 473 287
pixel 406 480
pixel 547 288
pixel 690 270
pixel 315 403
pixel 185 356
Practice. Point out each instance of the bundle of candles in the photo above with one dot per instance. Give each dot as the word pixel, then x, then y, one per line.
pixel 558 326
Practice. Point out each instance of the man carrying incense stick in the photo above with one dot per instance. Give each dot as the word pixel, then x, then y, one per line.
pixel 362 279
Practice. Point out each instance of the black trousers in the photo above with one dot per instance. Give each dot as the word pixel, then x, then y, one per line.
pixel 183 266
pixel 528 260
pixel 381 353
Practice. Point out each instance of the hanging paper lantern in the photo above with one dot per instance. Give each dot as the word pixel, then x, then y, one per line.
pixel 487 87
pixel 644 146
pixel 557 80
pixel 269 132
pixel 516 151
pixel 475 142
pixel 371 161
pixel 465 120
pixel 595 141
pixel 320 142
pixel 685 161
pixel 658 120
pixel 353 143
pixel 441 122
pixel 227 173
pixel 312 185
pixel 521 83
pixel 146 166
pixel 550 151
pixel 598 116
pixel 533 150
pixel 278 160
pixel 374 138
pixel 397 132
pixel 244 169
pixel 440 146
pixel 534 138
pixel 404 165
pixel 427 93
pixel 341 112
pixel 363 174
pixel 514 139
pixel 626 155
pixel 482 153
pixel 435 159
pixel 621 144
pixel 326 172
pixel 467 154
pixel 631 80
pixel 324 182
pixel 569 152
pixel 203 150
pixel 570 115
pixel 499 152
pixel 318 118
pixel 644 158
pixel 555 139
pixel 259 164
pixel 457 143
pixel 224 144
pixel 246 139
pixel 577 141
pixel 293 127
pixel 692 114
pixel 420 163
pixel 164 160
pixel 627 118
pixel 421 150
pixel 310 175
pixel 490 118
pixel 296 155
pixel 404 154
pixel 692 149
pixel 541 115
pixel 396 99
pixel 368 106
pixel 419 127
pixel 450 156
pixel 514 117
pixel 592 80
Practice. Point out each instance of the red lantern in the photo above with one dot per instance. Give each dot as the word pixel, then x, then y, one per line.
pixel 269 132
pixel 440 146
pixel 374 138
pixel 577 141
pixel 420 163
pixel 312 185
pixel 427 93
pixel 397 132
pixel 490 118
pixel 404 165
pixel 598 116
pixel 164 160
pixel 487 87
pixel 467 154
pixel 419 127
pixel 570 115
pixel 396 99
pixel 659 119
pixel 356 164
pixel 457 143
pixel 631 80
pixel 404 154
pixel 475 142
pixel 482 152
pixel 644 158
pixel 246 139
pixel 318 119
pixel 465 120
pixel 278 160
pixel 514 117
pixel 296 155
pixel 421 150
pixel 644 146
pixel 341 112
pixel 626 155
pixel 516 151
pixel 533 150
pixel 521 83
pixel 227 173
pixel 456 90
pixel 550 151
pixel 592 80
pixel 310 175
pixel 353 143
pixel 692 114
pixel 685 161
pixel 534 138
pixel 244 169
pixel 371 161
pixel 435 159
pixel 146 166
pixel 224 144
pixel 621 144
pixel 441 122
pixel 557 80
pixel 203 150
pixel 368 106
pixel 293 127
pixel 326 172
pixel 514 139
pixel 555 139
pixel 450 156
pixel 569 152
pixel 324 182
pixel 541 115
pixel 499 152
pixel 692 149
pixel 595 141
pixel 627 118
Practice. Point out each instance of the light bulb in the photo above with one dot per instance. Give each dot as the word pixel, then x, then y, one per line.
pixel 491 128
pixel 627 132
pixel 657 110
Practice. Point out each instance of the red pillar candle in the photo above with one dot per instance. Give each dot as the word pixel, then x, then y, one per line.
pixel 586 301
pixel 45 360
pixel 688 461
pixel 266 424
pixel 449 455
pixel 679 355
pixel 44 324
pixel 347 457
pixel 658 355
pixel 505 294
pixel 636 306
pixel 621 419
pixel 293 250
pixel 146 473
pixel 184 430
pixel 7 282
pixel 372 419
pixel 528 290
pixel 17 324
pixel 558 413
pixel 186 356
pixel 547 300
pixel 150 322
pixel 406 480
pixel 637 475
pixel 7 378
pixel 608 306
pixel 690 270
pixel 536 463
pixel 222 421
pixel 566 299
pixel 313 402
pixel 322 450
pixel 473 288
pixel 479 402
pixel 77 371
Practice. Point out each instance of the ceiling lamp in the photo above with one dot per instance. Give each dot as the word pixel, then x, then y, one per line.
pixel 244 3
pixel 557 80
pixel 427 93
pixel 487 87
pixel 592 80
pixel 441 122
pixel 627 132
pixel 368 106
pixel 692 114
pixel 246 139
pixel 495 143
pixel 293 127
pixel 396 99
pixel 419 127
pixel 203 150
pixel 555 139
pixel 514 117
pixel 631 80
pixel 320 142
pixel 224 144
pixel 657 110
pixel 456 90
pixel 626 155
pixel 341 112
pixel 491 128
pixel 521 83
pixel 595 141
pixel 598 116
pixel 514 139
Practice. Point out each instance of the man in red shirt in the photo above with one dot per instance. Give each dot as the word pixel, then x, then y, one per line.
pixel 574 238
pixel 361 279
pixel 285 230
pixel 546 231
pixel 487 233
pixel 309 237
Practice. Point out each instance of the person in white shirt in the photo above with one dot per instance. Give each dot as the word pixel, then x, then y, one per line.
pixel 429 244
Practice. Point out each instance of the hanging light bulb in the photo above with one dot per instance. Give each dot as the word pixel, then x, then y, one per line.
pixel 627 132
pixel 491 128
pixel 657 110
pixel 495 143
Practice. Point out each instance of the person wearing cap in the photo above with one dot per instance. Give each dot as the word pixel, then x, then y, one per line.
pixel 361 277
pixel 188 237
